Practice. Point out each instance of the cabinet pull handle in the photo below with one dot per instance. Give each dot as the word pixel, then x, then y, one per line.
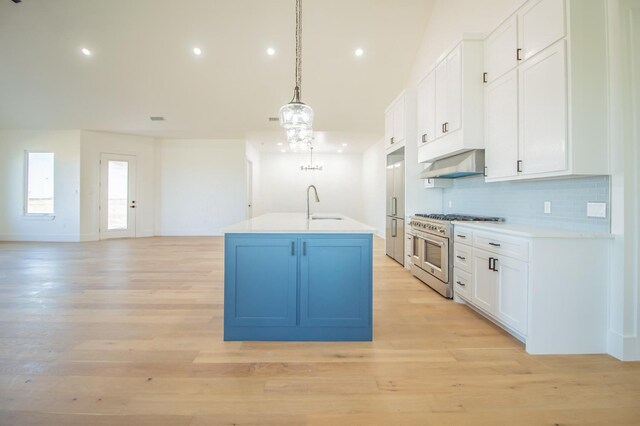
pixel 461 257
pixel 461 236
pixel 394 232
pixel 519 165
pixel 293 248
pixel 485 171
pixel 491 263
pixel 443 131
pixel 484 77
pixel 518 57
pixel 446 127
pixel 494 265
pixel 392 142
pixel 424 138
pixel 304 248
pixel 460 283
pixel 494 244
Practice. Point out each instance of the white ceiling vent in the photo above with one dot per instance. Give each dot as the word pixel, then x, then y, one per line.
pixel 274 119
pixel 156 118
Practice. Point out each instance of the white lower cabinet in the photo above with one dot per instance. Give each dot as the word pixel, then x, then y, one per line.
pixel 546 287
pixel 511 292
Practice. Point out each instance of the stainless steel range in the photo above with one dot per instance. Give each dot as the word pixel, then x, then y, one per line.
pixel 432 248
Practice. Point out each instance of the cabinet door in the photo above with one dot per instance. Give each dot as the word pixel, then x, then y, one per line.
pixel 543 112
pixel 335 282
pixel 540 24
pixel 388 128
pixel 501 126
pixel 500 49
pixel 454 90
pixel 260 281
pixel 427 109
pixel 399 121
pixel 441 97
pixel 483 293
pixel 511 302
pixel 398 188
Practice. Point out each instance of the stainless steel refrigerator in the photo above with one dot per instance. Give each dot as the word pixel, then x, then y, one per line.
pixel 395 211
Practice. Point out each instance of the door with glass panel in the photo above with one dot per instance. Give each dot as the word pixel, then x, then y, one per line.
pixel 117 196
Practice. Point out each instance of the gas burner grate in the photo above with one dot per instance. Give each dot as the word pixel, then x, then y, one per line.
pixel 460 217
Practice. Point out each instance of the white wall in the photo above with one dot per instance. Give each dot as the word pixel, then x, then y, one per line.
pixel 284 186
pixel 94 143
pixel 64 225
pixel 201 185
pixel 449 19
pixel 374 187
pixel 624 296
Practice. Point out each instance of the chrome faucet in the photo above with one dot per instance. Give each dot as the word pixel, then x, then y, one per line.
pixel 317 199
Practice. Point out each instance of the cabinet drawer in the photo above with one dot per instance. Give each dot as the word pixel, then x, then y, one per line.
pixel 462 282
pixel 463 257
pixel 462 235
pixel 502 244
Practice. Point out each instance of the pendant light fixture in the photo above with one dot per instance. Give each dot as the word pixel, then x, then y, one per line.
pixel 297 117
pixel 310 167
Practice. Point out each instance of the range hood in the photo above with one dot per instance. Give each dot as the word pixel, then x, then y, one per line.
pixel 466 164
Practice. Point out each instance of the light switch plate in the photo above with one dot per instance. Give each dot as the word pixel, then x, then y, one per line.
pixel 547 207
pixel 596 209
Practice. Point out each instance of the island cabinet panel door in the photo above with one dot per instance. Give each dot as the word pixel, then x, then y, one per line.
pixel 335 282
pixel 260 281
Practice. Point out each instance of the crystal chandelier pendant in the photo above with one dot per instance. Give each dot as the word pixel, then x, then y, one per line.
pixel 299 138
pixel 296 114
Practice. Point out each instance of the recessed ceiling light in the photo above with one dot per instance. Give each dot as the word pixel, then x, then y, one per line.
pixel 344 144
pixel 197 51
pixel 359 52
pixel 279 143
pixel 271 51
pixel 85 51
pixel 283 150
pixel 339 151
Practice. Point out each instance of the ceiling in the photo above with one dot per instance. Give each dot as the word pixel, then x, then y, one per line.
pixel 142 64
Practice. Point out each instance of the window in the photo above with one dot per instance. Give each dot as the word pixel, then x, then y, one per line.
pixel 39 185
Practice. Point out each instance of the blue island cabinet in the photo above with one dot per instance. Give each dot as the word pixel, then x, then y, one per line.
pixel 298 287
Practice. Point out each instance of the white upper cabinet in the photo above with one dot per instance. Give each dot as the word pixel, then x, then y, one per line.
pixel 395 123
pixel 427 109
pixel 501 50
pixel 543 112
pixel 501 126
pixel 450 100
pixel 561 97
pixel 541 23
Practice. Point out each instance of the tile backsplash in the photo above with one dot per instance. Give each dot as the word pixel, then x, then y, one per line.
pixel 522 202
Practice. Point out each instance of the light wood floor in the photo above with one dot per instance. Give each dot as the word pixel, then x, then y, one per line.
pixel 130 332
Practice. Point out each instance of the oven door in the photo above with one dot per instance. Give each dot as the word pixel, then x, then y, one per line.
pixel 434 256
pixel 416 244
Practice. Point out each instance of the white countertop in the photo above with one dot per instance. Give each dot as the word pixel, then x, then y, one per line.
pixel 530 231
pixel 298 223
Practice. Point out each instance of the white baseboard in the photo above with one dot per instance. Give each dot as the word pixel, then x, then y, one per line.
pixel 57 238
pixel 189 232
pixel 625 348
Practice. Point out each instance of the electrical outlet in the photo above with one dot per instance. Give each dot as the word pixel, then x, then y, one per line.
pixel 547 207
pixel 596 209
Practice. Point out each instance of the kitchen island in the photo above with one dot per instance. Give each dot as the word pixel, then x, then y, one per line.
pixel 289 278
